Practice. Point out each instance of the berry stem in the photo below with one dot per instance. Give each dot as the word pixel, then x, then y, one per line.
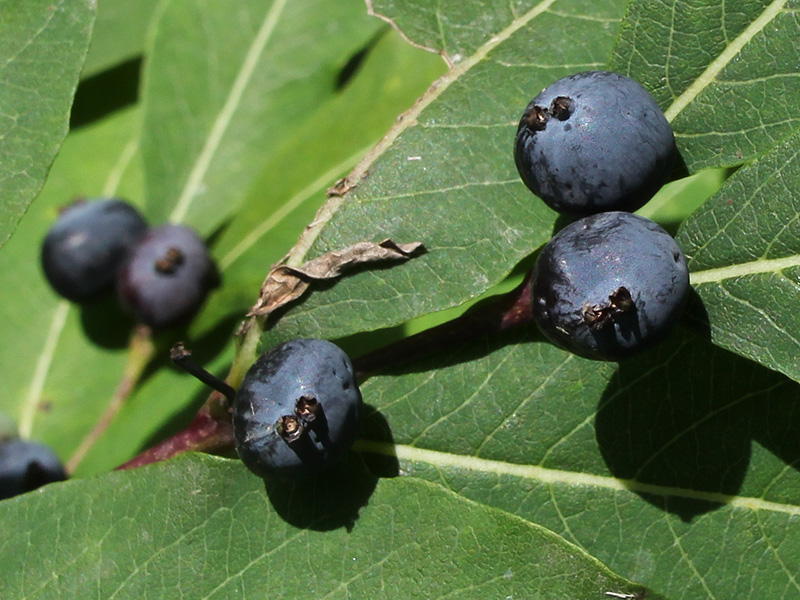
pixel 180 356
pixel 247 350
pixel 206 433
pixel 141 351
pixel 507 311
pixel 211 429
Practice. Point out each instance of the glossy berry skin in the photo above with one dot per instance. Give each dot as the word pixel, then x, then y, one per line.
pixel 592 142
pixel 609 286
pixel 25 466
pixel 84 249
pixel 167 276
pixel 272 395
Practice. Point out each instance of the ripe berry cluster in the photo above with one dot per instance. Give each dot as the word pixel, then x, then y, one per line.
pixel 299 407
pixel 610 284
pixel 162 274
pixel 606 287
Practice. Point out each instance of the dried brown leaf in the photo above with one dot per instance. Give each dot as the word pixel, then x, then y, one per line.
pixel 285 284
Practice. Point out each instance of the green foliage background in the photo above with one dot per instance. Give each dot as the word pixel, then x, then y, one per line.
pixel 502 468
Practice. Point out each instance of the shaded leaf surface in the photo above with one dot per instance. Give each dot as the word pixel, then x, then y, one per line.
pixel 217 536
pixel 42 48
pixel 744 251
pixel 669 468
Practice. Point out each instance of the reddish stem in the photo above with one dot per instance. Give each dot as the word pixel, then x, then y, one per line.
pixel 507 311
pixel 206 433
pixel 211 429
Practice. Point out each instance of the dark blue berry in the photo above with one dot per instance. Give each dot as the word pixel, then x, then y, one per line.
pixel 167 276
pixel 82 252
pixel 609 286
pixel 298 409
pixel 25 466
pixel 592 142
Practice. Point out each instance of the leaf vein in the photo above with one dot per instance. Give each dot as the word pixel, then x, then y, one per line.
pixel 725 57
pixel 560 477
pixel 755 267
pixel 194 182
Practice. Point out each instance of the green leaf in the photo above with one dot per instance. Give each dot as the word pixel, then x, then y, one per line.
pixel 744 253
pixel 675 470
pixel 391 76
pixel 445 174
pixel 119 33
pixel 220 537
pixel 64 362
pixel 667 468
pixel 42 48
pixel 224 86
pixel 333 138
pixel 445 177
pixel 725 74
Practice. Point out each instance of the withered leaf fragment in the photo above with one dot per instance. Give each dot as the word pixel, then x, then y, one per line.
pixel 285 284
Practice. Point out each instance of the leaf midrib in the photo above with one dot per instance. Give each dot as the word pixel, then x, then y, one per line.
pixel 194 181
pixel 406 120
pixel 708 76
pixel 755 267
pixel 571 478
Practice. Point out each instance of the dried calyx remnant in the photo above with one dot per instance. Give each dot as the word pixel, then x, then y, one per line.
pixel 598 316
pixel 290 428
pixel 306 410
pixel 170 262
pixel 560 108
pixel 307 407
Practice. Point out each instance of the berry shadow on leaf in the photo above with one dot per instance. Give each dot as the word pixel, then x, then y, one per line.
pixel 679 168
pixel 695 315
pixel 562 221
pixel 105 323
pixel 351 68
pixel 376 429
pixel 328 501
pixel 679 418
pixel 106 92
